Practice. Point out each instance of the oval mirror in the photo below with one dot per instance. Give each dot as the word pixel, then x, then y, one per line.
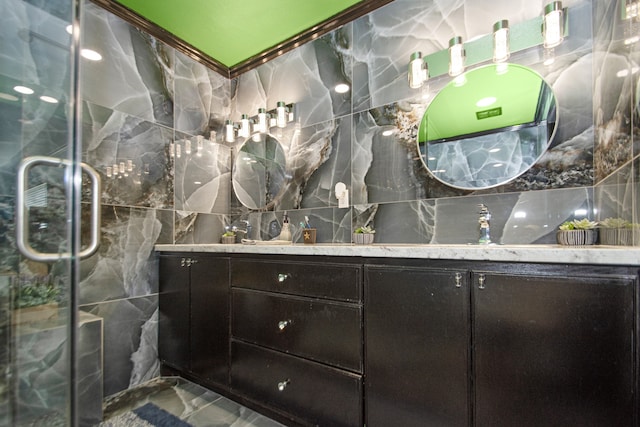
pixel 487 126
pixel 259 172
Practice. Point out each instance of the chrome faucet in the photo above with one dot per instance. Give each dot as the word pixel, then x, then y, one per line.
pixel 485 224
pixel 246 231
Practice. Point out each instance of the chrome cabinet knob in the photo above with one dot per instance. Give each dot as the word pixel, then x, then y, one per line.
pixel 283 384
pixel 283 324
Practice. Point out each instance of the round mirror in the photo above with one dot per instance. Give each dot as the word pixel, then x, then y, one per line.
pixel 259 172
pixel 487 126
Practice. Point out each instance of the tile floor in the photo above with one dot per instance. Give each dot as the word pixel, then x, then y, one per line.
pixel 190 402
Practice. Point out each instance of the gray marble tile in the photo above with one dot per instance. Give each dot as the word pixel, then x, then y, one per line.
pixel 193 227
pixel 41 372
pixel 135 75
pixel 202 175
pixel 131 155
pixel 196 405
pixel 202 98
pixel 124 265
pixel 130 341
pixel 305 76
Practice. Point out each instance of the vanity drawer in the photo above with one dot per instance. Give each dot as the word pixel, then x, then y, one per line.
pixel 334 281
pixel 319 394
pixel 325 331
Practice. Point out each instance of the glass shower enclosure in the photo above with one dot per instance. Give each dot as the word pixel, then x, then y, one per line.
pixel 48 216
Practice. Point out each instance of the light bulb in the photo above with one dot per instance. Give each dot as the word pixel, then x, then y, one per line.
pixel 281 114
pixel 456 56
pixel 261 126
pixel 553 25
pixel 501 41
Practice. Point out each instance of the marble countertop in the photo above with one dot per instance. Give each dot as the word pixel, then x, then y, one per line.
pixel 603 255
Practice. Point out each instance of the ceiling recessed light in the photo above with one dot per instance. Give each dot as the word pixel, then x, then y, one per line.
pixel 48 99
pixel 23 89
pixel 342 88
pixel 387 132
pixel 485 102
pixel 91 55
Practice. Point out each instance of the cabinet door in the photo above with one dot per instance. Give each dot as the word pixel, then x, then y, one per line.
pixel 173 319
pixel 553 351
pixel 210 318
pixel 416 341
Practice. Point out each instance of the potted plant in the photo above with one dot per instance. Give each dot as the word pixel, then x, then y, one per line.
pixel 35 298
pixel 363 235
pixel 228 237
pixel 619 231
pixel 577 232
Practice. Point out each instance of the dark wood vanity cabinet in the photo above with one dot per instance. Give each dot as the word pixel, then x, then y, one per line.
pixel 394 342
pixel 539 347
pixel 417 346
pixel 553 350
pixel 193 330
pixel 297 339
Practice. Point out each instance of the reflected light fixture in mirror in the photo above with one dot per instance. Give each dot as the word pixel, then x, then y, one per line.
pixel 245 126
pixel 418 70
pixel 229 132
pixel 456 56
pixel 261 125
pixel 281 114
pixel 631 9
pixel 501 41
pixel 553 25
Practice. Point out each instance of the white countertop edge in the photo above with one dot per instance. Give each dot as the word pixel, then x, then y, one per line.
pixel 603 255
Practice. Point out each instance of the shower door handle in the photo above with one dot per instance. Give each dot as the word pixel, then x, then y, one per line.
pixel 22 213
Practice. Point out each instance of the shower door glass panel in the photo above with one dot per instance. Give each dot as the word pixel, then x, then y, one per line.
pixel 37 79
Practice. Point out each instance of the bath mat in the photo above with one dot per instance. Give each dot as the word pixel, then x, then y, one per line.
pixel 148 415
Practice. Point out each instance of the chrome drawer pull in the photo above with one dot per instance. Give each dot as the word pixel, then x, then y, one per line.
pixel 481 280
pixel 283 276
pixel 283 324
pixel 282 385
pixel 458 280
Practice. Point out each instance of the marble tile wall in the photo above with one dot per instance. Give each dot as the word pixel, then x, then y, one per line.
pixel 144 104
pixel 343 138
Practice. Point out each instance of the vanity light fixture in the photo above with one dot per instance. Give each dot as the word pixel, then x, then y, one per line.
pixel 245 126
pixel 418 70
pixel 456 56
pixel 501 49
pixel 262 122
pixel 229 132
pixel 553 25
pixel 281 114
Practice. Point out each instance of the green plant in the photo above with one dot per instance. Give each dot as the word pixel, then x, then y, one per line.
pixel 583 224
pixel 364 230
pixel 229 234
pixel 615 223
pixel 36 290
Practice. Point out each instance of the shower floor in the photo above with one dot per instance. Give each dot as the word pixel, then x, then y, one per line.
pixel 190 402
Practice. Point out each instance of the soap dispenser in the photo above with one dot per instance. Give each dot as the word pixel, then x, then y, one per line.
pixel 285 232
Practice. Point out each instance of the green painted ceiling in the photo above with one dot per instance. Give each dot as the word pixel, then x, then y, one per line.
pixel 232 31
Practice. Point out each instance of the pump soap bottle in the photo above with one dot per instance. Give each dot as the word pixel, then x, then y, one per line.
pixel 285 232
